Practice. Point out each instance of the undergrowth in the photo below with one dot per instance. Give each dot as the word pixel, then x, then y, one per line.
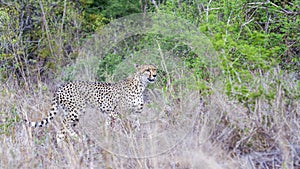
pixel 262 133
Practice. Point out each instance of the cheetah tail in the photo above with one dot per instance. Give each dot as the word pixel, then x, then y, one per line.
pixel 41 123
pixel 45 121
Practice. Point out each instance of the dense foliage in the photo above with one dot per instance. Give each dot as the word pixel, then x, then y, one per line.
pixel 39 37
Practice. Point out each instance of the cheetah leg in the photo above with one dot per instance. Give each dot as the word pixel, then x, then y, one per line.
pixel 138 108
pixel 112 119
pixel 68 123
pixel 60 136
pixel 135 123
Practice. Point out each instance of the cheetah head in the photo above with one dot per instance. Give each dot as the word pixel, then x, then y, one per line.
pixel 147 73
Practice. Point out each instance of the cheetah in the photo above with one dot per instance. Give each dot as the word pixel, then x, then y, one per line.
pixel 74 97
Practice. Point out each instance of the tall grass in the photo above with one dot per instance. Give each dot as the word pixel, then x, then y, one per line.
pixel 226 133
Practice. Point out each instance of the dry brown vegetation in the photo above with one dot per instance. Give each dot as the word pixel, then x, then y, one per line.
pixel 226 134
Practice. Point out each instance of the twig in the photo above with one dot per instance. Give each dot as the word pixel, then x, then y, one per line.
pixel 207 9
pixel 46 27
pixel 62 24
pixel 244 24
pixel 154 3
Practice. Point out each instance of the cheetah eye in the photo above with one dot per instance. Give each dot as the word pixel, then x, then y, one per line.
pixel 148 70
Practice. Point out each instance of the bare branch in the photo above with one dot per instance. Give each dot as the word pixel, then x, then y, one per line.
pixel 154 3
pixel 46 27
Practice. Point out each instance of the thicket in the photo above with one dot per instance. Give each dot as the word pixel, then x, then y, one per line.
pixel 39 37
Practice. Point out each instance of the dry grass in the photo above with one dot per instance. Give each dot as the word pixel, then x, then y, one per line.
pixel 226 134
